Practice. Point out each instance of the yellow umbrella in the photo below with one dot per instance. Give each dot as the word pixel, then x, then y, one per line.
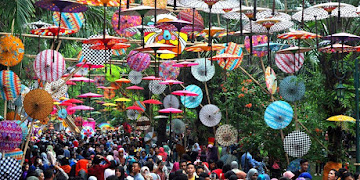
pixel 109 104
pixel 341 118
pixel 56 103
pixel 122 99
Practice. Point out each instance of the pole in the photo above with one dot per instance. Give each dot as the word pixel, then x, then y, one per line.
pixel 357 113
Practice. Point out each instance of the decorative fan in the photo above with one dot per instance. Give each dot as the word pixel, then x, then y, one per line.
pixel 297 144
pixel 171 101
pixel 270 79
pixel 132 114
pixel 192 101
pixel 87 131
pixel 204 71
pixel 278 114
pixel 62 113
pixel 150 137
pixel 95 57
pixel 292 89
pixel 135 77
pixel 210 115
pixel 178 126
pixel 55 85
pixel 121 107
pixel 226 135
pixel 156 88
pixel 143 123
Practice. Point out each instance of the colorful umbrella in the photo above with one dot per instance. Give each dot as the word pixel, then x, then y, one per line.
pixel 95 57
pixel 337 48
pixel 297 144
pixel 272 46
pixel 57 89
pixel 62 113
pixel 278 114
pixel 81 107
pixel 138 61
pixel 10 135
pixel 109 93
pixel 226 135
pixel 72 21
pixel 89 95
pixel 134 88
pixel 99 80
pixel 17 154
pixel 38 104
pixel 298 34
pixel 210 115
pixel 11 168
pixel 150 137
pixel 143 123
pixel 256 40
pixel 204 71
pixel 193 16
pixel 178 126
pixel 52 31
pixel 10 85
pixel 270 79
pixel 87 131
pixel 156 88
pixel 132 114
pixel 49 65
pixel 38 24
pixel 122 99
pixel 11 50
pixel 152 101
pixel 292 89
pixel 338 118
pixel 192 101
pixel 231 63
pixel 125 22
pixel 168 71
pixel 286 62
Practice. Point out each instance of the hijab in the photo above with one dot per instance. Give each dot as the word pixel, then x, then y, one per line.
pixel 196 147
pixel 251 172
pixel 162 153
pixel 44 158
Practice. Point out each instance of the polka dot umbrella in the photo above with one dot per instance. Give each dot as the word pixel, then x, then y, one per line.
pixel 297 144
pixel 226 135
pixel 135 77
pixel 156 88
pixel 11 50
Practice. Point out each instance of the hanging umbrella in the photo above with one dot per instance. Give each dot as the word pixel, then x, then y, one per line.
pixel 150 137
pixel 210 115
pixel 57 89
pixel 81 79
pixel 138 61
pixel 125 23
pixel 192 101
pixel 256 40
pixel 10 85
pixel 270 79
pixel 193 16
pixel 122 100
pixel 81 107
pixel 337 48
pixel 72 21
pixel 286 63
pixel 168 71
pixel 10 135
pixel 151 78
pixel 272 46
pixel 178 126
pixel 338 118
pixel 87 131
pixel 139 28
pixel 171 101
pixel 89 95
pixel 38 104
pixel 143 123
pixel 109 93
pixel 11 168
pixel 278 114
pixel 156 88
pixel 152 101
pixel 52 31
pixel 132 114
pixel 36 25
pixel 11 50
pixel 255 27
pixel 227 61
pixel 62 113
pixel 49 65
pixel 310 14
pixel 202 47
pixel 298 34
pixel 204 71
pixel 95 57
pixel 134 88
pixel 292 89
pixel 297 144
pixel 345 12
pixel 141 105
pixel 137 108
pixel 226 135
pixel 231 63
pixel 135 77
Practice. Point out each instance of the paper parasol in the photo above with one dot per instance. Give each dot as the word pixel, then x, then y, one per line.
pixel 143 123
pixel 143 11
pixel 231 64
pixel 125 22
pixel 338 118
pixel 134 88
pixel 256 40
pixel 168 71
pixel 277 27
pixel 122 100
pixel 140 105
pixel 87 131
pixel 292 89
pixel 187 15
pixel 56 85
pixel 298 34
pixel 135 77
pixel 171 101
pixel 11 50
pixel 38 104
pixel 112 73
pixel 152 101
pixel 72 21
pixel 204 71
pixel 310 14
pixel 10 85
pixel 226 135
pixel 10 135
pixel 11 168
pixel 178 126
pixel 345 12
pixel 278 114
pixel 156 88
pixel 62 113
pixel 270 79
pixel 343 36
pixel 297 144
pixel 132 114
pixel 95 57
pixel 192 101
pixel 210 115
pixel 285 62
pixel 81 107
pixel 61 6
pixel 36 25
pixel 99 80
pixel 79 121
pixel 150 137
pixel 138 61
pixel 49 65
pixel 272 46
pixel 12 116
pixel 52 31
pixel 337 48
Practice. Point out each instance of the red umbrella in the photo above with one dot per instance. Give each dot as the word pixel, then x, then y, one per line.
pixel 75 75
pixel 184 93
pixel 74 101
pixel 127 127
pixel 70 83
pixel 152 101
pixel 135 108
pixel 135 88
pixel 66 104
pixel 89 65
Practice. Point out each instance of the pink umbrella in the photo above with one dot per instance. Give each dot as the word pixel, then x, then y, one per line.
pixel 90 119
pixel 66 104
pixel 185 64
pixel 184 93
pixel 89 65
pixel 81 79
pixel 152 101
pixel 135 108
pixel 89 95
pixel 171 82
pixel 170 110
pixel 151 78
pixel 81 107
pixel 74 75
pixel 70 83
pixel 135 88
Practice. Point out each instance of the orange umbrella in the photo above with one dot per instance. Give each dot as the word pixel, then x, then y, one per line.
pixel 38 104
pixel 122 80
pixel 337 48
pixel 298 34
pixel 11 50
pixel 205 47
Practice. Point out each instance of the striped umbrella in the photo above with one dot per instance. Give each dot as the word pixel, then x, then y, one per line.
pixel 233 49
pixel 278 115
pixel 150 137
pixel 72 21
pixel 286 62
pixel 10 85
pixel 192 101
pixel 49 65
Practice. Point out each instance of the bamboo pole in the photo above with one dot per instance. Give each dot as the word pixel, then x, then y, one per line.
pixel 27 143
pixel 282 138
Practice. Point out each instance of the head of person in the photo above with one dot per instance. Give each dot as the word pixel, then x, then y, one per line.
pixel 190 169
pixel 212 164
pixel 234 165
pixel 347 176
pixel 219 164
pixel 136 167
pixel 357 176
pixel 156 150
pixel 341 172
pixel 333 174
pixel 120 172
pixel 199 169
pixel 144 171
pixel 252 174
pixel 304 165
pixel 183 165
pixel 226 168
pixel 49 174
pixel 160 164
pixel 143 154
pixel 96 160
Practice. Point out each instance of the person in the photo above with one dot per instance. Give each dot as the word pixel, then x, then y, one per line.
pixel 357 176
pixel 136 171
pixel 235 168
pixel 218 171
pixel 81 168
pixel 159 170
pixel 190 171
pixel 96 169
pixel 120 173
pixel 306 176
pixel 252 174
pixel 49 174
pixel 304 165
pixel 288 174
pixel 347 176
pixel 162 153
pixel 183 166
pixel 111 170
pixel 333 175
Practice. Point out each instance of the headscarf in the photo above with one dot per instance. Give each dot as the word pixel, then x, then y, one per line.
pixel 234 165
pixel 162 153
pixel 288 174
pixel 51 155
pixel 196 147
pixel 305 175
pixel 121 169
pixel 251 172
pixel 176 167
pixel 263 177
pixel 82 164
pixel 44 158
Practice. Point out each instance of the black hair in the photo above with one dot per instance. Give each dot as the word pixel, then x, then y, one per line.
pixel 122 171
pixel 342 172
pixel 96 160
pixel 302 161
pixel 284 178
pixel 49 173
pixel 182 161
pixel 181 177
pixel 112 164
pixel 356 175
pixel 347 174
pixel 112 177
pixel 150 165
pixel 204 175
pixel 219 164
pixel 233 177
pixel 226 168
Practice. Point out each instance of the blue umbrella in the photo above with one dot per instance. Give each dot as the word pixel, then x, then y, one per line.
pixel 192 101
pixel 278 114
pixel 62 113
pixel 292 89
pixel 273 46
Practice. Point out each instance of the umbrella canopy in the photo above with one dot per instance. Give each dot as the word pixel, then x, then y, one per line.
pixel 157 88
pixel 125 22
pixel 143 11
pixel 49 65
pixel 226 135
pixel 62 113
pixel 10 85
pixel 81 107
pixel 87 131
pixel 230 63
pixel 185 64
pixel 204 71
pixel 289 63
pixel 11 50
pixel 38 24
pixel 297 144
pixel 192 101
pixel 95 57
pixel 109 104
pixel 184 93
pixel 122 80
pixel 255 27
pixel 89 95
pixel 340 48
pixel 278 114
pixel 152 101
pixel 135 77
pixel 72 21
pixel 293 50
pixel 171 101
pixel 52 31
pixel 170 110
pixel 57 86
pixel 171 82
pixel 11 168
pixel 178 126
pixel 137 108
pixel 205 47
pixel 74 101
pixel 81 79
pixel 61 6
pixel 292 89
pixel 310 14
pixel 272 46
pixel 150 137
pixel 134 88
pixel 151 78
pixel 270 79
pixel 343 36
pixel 210 115
pixel 256 40
pixel 192 16
pixel 298 34
pixel 345 12
pixel 132 114
pixel 138 61
pixel 38 104
pixel 10 135
pixel 122 99
pixel 143 123
pixel 339 118
pixel 167 71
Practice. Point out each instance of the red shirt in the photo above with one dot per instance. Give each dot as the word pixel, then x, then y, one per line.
pixel 219 173
pixel 98 170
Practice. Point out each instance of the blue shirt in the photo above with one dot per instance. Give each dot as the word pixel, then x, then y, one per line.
pixel 138 176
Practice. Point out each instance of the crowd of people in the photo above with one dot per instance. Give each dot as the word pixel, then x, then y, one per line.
pixel 113 156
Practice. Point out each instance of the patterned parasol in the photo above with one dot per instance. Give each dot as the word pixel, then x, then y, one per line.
pixel 278 114
pixel 292 89
pixel 210 115
pixel 132 114
pixel 167 71
pixel 38 104
pixel 10 135
pixel 297 144
pixel 10 85
pixel 138 61
pixel 193 16
pixel 226 135
pixel 177 126
pixel 135 77
pixel 311 14
pixel 11 168
pixel 156 88
pixel 233 49
pixel 150 137
pixel 61 6
pixel 62 113
pixel 125 22
pixel 337 48
pixel 171 101
pixel 204 71
pixel 298 34
pixel 286 63
pixel 57 86
pixel 255 27
pixel 95 57
pixel 49 65
pixel 36 25
pixel 256 40
pixel 270 79
pixel 143 123
pixel 72 21
pixel 11 50
pixel 192 101
pixel 99 80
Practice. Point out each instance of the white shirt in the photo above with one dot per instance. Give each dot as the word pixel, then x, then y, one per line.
pixel 109 172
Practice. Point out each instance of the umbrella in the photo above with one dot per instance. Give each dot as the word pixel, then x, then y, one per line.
pixel 62 113
pixel 345 12
pixel 171 101
pixel 11 50
pixel 286 63
pixel 168 71
pixel 81 79
pixel 134 88
pixel 152 101
pixel 298 34
pixel 310 14
pixel 194 17
pixel 17 154
pixel 38 24
pixel 135 77
pixel 120 106
pixel 297 144
pixel 226 135
pixel 339 118
pixel 122 80
pixel 150 78
pixel 81 107
pixel 87 131
pixel 95 57
pixel 109 93
pixel 210 115
pixel 272 46
pixel 156 88
pixel 99 80
pixel 205 47
pixel 122 99
pixel 89 95
pixel 72 21
pixel 10 135
pixel 137 108
pixel 11 169
pixel 126 22
pixel 150 137
pixel 138 61
pixel 192 101
pixel 57 89
pixel 292 89
pixel 204 71
pixel 339 48
pixel 143 123
pixel 170 110
pixel 10 85
pixel 103 126
pixel 178 126
pixel 256 40
pixel 132 114
pixel 278 114
pixel 74 101
pixel 52 31
pixel 38 104
pixel 270 79
pixel 231 63
pixel 49 65
pixel 343 36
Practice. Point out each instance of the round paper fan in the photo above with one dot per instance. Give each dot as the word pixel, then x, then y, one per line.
pixel 292 89
pixel 278 114
pixel 297 144
pixel 156 88
pixel 226 135
pixel 171 101
pixel 210 115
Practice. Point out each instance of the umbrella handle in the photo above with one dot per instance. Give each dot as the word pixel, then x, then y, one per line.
pixel 27 142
